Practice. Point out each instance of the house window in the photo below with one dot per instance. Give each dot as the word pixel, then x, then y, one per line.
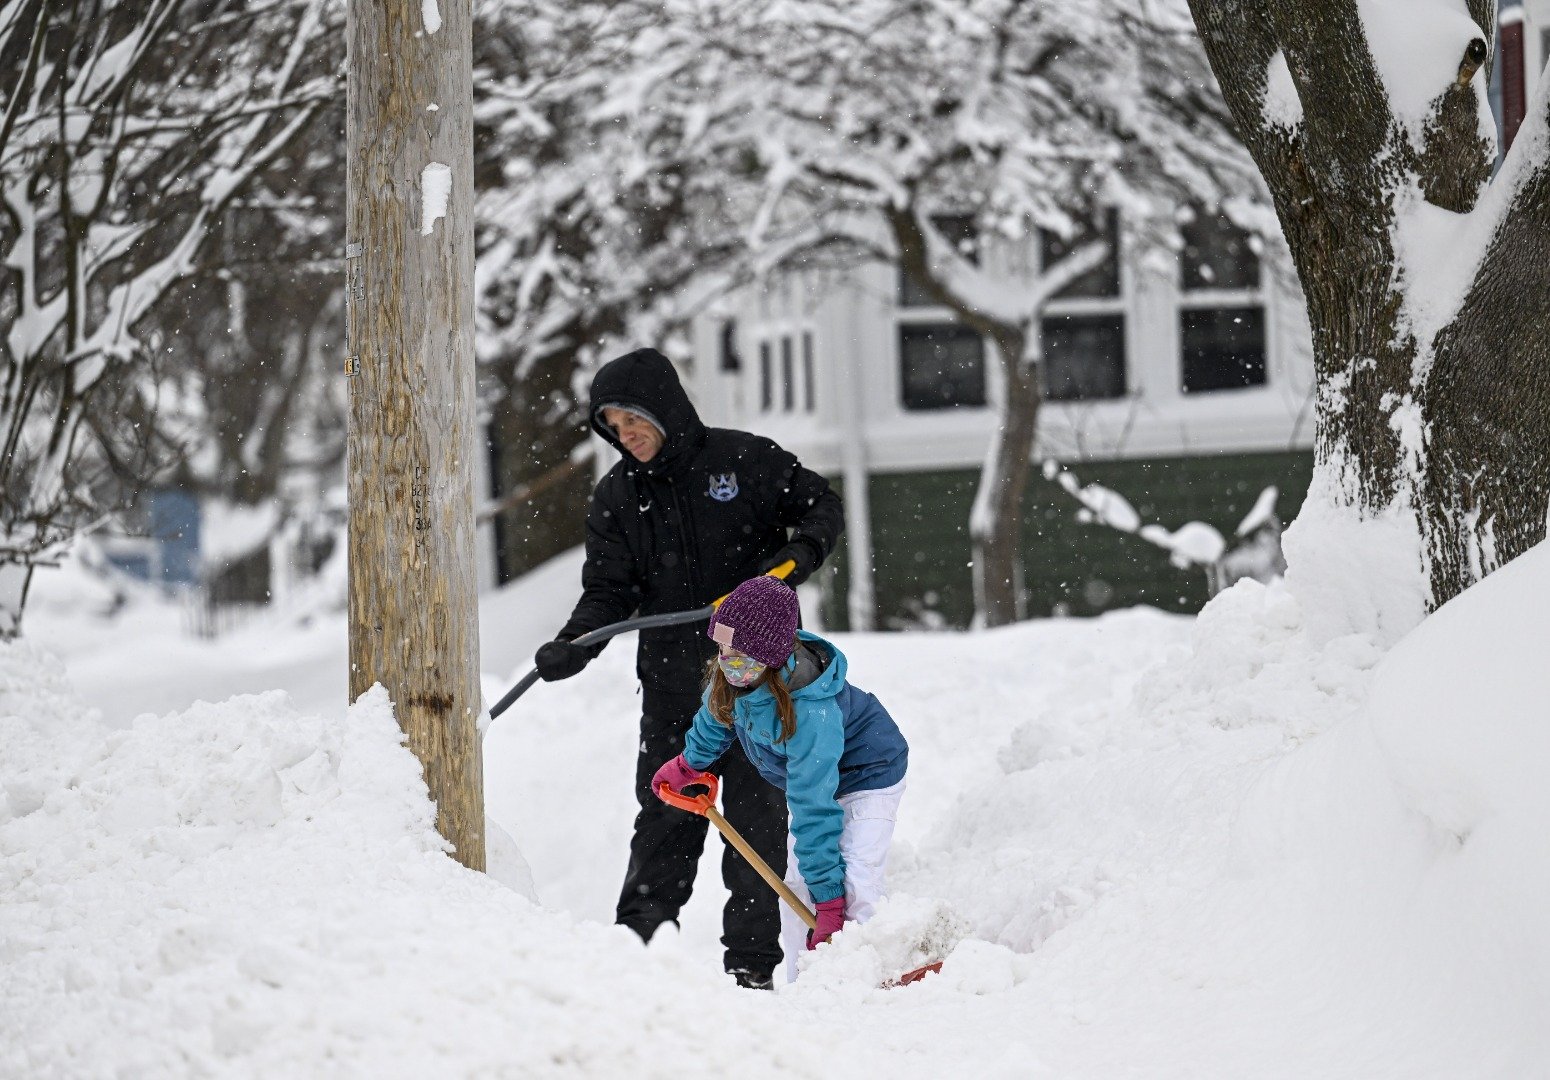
pixel 1223 348
pixel 809 384
pixel 1222 342
pixel 766 378
pixel 959 230
pixel 788 376
pixel 942 366
pixel 729 360
pixel 1083 329
pixel 1217 255
pixel 1084 357
pixel 1102 281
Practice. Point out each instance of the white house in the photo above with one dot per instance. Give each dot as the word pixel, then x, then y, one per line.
pixel 1197 357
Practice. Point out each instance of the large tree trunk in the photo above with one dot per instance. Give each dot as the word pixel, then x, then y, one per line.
pixel 1447 426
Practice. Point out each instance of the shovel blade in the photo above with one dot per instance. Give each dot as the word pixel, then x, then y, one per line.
pixel 914 976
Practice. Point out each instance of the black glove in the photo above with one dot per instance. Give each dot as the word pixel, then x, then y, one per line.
pixel 558 660
pixel 798 551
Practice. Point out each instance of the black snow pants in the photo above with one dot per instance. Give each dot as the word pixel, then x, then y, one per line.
pixel 666 847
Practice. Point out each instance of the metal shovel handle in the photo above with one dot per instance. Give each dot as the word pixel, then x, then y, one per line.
pixel 640 622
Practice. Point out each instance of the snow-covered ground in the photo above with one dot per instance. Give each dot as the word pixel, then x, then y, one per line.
pixel 1150 846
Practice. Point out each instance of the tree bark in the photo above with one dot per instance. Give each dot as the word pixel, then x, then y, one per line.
pixel 996 525
pixel 1487 478
pixel 1454 430
pixel 413 606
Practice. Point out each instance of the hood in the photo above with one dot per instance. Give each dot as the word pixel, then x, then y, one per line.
pixel 756 707
pixel 825 683
pixel 647 380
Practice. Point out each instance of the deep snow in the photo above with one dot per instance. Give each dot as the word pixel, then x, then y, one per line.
pixel 1252 844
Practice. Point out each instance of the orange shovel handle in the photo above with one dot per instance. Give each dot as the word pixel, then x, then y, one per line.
pixel 695 804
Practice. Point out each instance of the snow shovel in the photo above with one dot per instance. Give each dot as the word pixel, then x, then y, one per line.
pixel 641 622
pixel 705 805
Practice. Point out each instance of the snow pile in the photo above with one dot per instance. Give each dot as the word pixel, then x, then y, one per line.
pixel 1459 714
pixel 1353 574
pixel 1266 842
pixel 1414 836
pixel 244 890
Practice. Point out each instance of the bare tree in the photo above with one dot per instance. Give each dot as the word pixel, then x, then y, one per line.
pixel 126 128
pixel 1427 279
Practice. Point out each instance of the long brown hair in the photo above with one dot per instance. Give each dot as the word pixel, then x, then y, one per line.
pixel 723 694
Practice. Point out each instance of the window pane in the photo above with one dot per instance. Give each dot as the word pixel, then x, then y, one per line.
pixel 788 377
pixel 766 378
pixel 1217 255
pixel 809 386
pixel 1084 357
pixel 943 366
pixel 1101 280
pixel 958 230
pixel 730 361
pixel 1224 348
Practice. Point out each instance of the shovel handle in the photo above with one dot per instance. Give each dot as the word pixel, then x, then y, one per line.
pixel 695 804
pixel 592 637
pixel 705 805
pixel 780 572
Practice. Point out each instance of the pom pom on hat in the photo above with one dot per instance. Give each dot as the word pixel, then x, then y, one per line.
pixel 759 619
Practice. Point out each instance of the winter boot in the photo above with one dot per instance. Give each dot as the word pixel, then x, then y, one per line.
pixel 753 980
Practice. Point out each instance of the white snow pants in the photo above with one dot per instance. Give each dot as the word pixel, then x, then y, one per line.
pixel 864 841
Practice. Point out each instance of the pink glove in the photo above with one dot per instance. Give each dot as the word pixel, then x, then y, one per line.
pixel 831 917
pixel 677 775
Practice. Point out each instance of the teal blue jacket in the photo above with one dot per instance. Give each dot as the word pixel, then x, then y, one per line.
pixel 844 742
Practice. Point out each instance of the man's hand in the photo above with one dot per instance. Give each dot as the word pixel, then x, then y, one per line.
pixel 798 551
pixel 558 660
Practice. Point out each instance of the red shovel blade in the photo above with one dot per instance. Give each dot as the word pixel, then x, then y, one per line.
pixel 914 976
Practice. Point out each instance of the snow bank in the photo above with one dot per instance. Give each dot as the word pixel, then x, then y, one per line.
pixel 1267 842
pixel 1350 574
pixel 1412 838
pixel 243 890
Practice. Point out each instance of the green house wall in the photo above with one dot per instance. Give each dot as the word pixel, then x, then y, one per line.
pixel 921 550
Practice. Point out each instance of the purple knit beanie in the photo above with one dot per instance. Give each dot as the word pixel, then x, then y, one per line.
pixel 758 618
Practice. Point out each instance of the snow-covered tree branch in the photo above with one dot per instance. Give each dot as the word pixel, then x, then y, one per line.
pixel 127 129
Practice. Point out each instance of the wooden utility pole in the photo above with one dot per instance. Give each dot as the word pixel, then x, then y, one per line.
pixel 409 264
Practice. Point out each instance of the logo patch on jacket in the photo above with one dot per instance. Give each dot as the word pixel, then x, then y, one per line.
pixel 723 486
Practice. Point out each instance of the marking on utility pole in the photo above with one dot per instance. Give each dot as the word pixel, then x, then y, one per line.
pixel 419 491
pixel 354 297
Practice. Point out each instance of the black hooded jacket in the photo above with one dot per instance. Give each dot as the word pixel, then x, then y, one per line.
pixel 690 525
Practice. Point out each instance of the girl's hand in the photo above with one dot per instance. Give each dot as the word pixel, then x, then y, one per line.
pixel 677 775
pixel 831 918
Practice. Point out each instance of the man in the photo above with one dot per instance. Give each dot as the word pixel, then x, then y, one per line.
pixel 685 516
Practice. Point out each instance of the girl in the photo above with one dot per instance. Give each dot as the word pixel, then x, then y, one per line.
pixel 832 748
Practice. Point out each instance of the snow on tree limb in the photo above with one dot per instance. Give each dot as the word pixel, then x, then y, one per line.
pixel 120 149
